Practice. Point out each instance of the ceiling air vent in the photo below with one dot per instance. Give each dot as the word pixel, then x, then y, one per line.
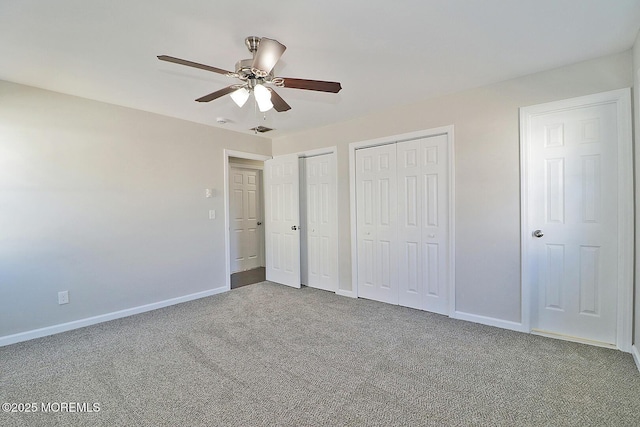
pixel 261 129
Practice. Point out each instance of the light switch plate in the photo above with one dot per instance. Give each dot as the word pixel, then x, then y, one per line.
pixel 208 192
pixel 212 214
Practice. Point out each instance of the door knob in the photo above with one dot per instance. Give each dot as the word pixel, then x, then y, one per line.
pixel 294 228
pixel 259 223
pixel 538 233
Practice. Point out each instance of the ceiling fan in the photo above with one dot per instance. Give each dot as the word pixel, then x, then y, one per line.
pixel 255 74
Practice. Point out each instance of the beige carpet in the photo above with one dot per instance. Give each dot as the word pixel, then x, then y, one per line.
pixel 270 355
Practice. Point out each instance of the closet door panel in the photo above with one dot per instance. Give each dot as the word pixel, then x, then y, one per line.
pixel 410 281
pixel 422 224
pixel 321 223
pixel 376 188
pixel 435 223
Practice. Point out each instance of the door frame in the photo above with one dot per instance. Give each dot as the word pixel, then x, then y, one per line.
pixel 444 130
pixel 227 249
pixel 622 99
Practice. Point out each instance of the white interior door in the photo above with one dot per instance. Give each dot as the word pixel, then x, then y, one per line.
pixel 245 217
pixel 320 265
pixel 423 227
pixel 572 202
pixel 282 216
pixel 376 216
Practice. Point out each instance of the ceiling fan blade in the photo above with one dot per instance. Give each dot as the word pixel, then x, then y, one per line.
pixel 268 53
pixel 318 85
pixel 192 64
pixel 217 94
pixel 279 104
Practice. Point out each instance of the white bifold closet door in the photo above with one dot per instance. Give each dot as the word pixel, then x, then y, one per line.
pixel 402 223
pixel 319 216
pixel 376 213
pixel 423 224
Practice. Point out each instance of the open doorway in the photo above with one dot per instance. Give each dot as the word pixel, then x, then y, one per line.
pixel 244 201
pixel 246 216
pixel 319 210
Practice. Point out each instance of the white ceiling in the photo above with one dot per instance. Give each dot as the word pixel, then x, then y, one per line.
pixel 384 53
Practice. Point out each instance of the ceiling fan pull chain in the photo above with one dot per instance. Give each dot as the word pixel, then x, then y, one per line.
pixel 255 113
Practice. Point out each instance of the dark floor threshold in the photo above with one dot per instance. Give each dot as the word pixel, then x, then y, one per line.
pixel 249 277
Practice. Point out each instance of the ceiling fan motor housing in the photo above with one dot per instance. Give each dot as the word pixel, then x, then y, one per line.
pixel 245 72
pixel 243 67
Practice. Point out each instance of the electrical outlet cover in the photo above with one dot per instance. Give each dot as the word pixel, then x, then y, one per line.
pixel 63 297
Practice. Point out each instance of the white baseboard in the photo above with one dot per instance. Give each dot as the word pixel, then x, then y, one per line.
pixel 344 293
pixel 571 338
pixel 490 321
pixel 81 323
pixel 636 355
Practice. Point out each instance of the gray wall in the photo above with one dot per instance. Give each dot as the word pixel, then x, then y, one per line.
pixel 487 171
pixel 106 202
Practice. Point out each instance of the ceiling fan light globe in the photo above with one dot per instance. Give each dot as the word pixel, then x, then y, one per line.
pixel 265 106
pixel 263 98
pixel 240 96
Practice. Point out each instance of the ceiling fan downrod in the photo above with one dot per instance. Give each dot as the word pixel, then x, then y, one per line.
pixel 252 43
